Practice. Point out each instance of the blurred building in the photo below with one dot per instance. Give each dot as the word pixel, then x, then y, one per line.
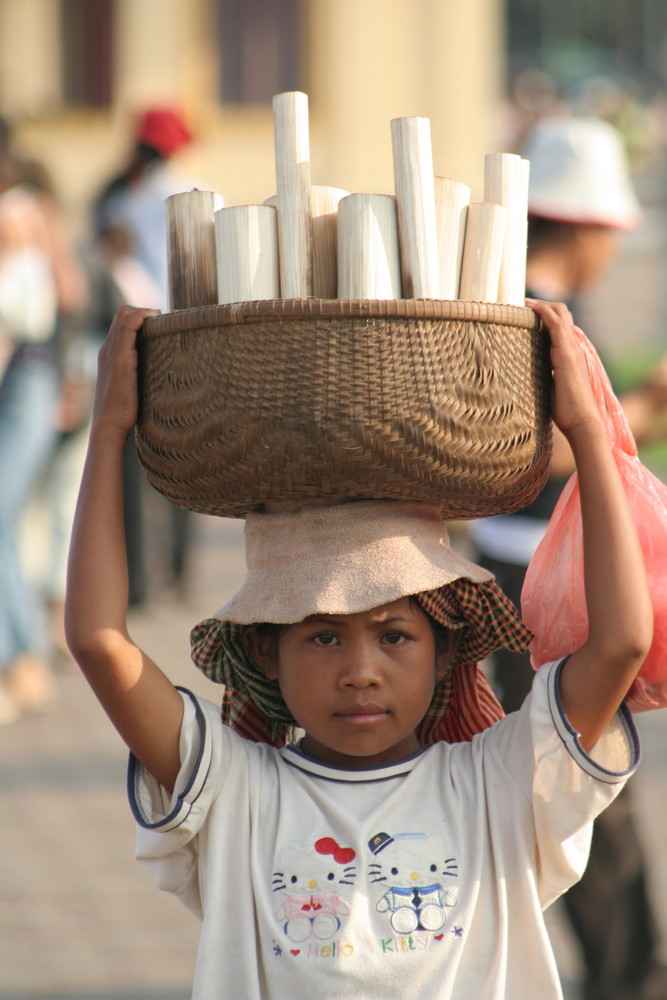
pixel 73 72
pixel 575 40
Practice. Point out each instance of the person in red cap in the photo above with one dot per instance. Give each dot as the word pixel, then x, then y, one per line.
pixel 133 201
pixel 129 228
pixel 163 130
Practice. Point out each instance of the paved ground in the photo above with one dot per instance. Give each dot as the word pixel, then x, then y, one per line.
pixel 78 917
pixel 79 920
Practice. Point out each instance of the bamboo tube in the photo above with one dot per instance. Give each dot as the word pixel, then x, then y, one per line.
pixel 292 154
pixel 521 237
pixel 415 203
pixel 323 208
pixel 482 252
pixel 506 183
pixel 324 203
pixel 369 264
pixel 246 238
pixel 451 211
pixel 191 263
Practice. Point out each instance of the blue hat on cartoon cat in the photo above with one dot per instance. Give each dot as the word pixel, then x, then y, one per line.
pixel 379 842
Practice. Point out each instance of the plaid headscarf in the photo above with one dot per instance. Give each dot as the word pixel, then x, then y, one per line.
pixel 463 703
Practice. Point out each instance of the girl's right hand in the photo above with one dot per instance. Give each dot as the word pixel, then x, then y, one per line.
pixel 116 394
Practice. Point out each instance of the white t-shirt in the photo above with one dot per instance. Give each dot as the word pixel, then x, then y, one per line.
pixel 425 878
pixel 28 294
pixel 28 298
pixel 140 209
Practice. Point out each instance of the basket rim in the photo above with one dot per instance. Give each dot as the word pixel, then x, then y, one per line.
pixel 277 310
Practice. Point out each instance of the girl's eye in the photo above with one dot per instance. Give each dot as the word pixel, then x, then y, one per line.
pixel 395 638
pixel 326 639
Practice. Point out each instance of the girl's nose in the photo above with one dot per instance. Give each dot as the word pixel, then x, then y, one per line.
pixel 361 668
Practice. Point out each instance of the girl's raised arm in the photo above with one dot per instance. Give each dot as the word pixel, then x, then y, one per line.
pixel 598 675
pixel 139 699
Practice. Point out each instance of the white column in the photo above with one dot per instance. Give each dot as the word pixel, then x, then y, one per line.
pixel 362 72
pixel 30 78
pixel 373 60
pixel 150 51
pixel 463 61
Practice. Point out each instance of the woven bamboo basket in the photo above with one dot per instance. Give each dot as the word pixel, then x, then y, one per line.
pixel 263 403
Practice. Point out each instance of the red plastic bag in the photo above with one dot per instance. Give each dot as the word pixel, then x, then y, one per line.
pixel 553 604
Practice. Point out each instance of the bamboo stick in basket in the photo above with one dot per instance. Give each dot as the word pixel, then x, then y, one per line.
pixel 323 208
pixel 369 264
pixel 482 252
pixel 324 203
pixel 451 212
pixel 506 183
pixel 415 202
pixel 246 239
pixel 191 257
pixel 292 155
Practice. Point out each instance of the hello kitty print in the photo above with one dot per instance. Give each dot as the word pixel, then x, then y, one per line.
pixel 310 883
pixel 412 870
pixel 404 904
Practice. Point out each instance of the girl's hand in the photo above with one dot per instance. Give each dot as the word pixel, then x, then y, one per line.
pixel 573 407
pixel 116 395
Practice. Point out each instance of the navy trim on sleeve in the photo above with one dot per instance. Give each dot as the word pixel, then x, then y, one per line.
pixel 190 793
pixel 570 736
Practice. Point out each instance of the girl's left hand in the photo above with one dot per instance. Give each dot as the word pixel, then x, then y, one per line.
pixel 573 406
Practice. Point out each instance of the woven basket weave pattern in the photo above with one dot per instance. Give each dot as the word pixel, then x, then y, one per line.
pixel 444 403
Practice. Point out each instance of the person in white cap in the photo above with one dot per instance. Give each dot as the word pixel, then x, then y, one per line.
pixel 385 853
pixel 581 199
pixel 579 173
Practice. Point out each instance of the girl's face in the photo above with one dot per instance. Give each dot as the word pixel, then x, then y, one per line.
pixel 360 684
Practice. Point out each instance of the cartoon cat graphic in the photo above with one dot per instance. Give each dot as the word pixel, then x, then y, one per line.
pixel 411 867
pixel 310 906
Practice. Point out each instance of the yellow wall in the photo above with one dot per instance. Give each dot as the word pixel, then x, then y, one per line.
pixel 367 61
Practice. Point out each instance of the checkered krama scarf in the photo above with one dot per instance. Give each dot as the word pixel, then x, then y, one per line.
pixel 463 703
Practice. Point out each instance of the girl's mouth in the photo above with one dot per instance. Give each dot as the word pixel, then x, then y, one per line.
pixel 362 715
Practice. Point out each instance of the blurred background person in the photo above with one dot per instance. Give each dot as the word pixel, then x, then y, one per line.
pixel 41 282
pixel 113 277
pixel 581 199
pixel 131 238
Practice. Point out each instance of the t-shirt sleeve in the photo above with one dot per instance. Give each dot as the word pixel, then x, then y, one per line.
pixel 168 824
pixel 566 786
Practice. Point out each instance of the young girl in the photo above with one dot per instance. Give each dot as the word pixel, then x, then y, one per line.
pixel 376 856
